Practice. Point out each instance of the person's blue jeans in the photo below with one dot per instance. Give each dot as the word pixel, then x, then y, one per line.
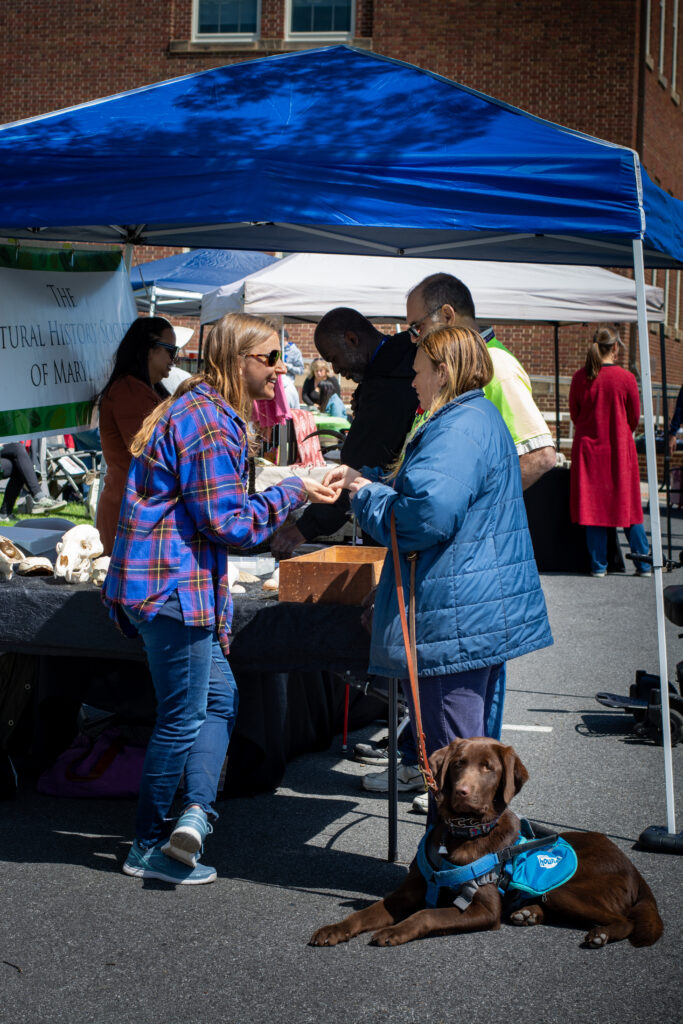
pixel 196 709
pixel 454 706
pixel 596 541
pixel 493 714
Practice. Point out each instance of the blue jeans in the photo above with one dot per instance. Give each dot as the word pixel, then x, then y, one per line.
pixel 455 706
pixel 196 709
pixel 596 541
pixel 493 714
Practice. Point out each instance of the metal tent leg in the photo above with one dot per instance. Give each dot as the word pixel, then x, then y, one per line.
pixel 392 794
pixel 639 268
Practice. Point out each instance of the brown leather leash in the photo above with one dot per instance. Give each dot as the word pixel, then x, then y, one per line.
pixel 409 640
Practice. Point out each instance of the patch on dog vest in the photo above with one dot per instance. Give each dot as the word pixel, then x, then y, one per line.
pixel 538 871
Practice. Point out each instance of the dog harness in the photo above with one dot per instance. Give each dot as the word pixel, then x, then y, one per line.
pixel 530 866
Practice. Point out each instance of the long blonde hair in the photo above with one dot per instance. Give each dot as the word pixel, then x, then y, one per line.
pixel 230 338
pixel 604 339
pixel 465 356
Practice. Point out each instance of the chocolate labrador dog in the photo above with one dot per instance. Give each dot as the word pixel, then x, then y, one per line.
pixel 477 778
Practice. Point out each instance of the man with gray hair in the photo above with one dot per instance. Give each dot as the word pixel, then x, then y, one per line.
pixel 444 300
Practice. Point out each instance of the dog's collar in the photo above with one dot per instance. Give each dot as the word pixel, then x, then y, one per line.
pixel 469 827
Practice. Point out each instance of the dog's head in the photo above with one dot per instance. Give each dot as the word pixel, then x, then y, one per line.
pixel 476 777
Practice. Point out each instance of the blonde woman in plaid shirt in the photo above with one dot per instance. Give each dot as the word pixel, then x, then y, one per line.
pixel 186 500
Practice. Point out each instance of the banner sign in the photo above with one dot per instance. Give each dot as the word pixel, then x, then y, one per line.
pixel 62 316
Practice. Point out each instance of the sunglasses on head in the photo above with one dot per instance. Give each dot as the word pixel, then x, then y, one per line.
pixel 173 349
pixel 268 360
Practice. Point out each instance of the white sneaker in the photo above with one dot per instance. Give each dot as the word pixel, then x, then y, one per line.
pixel 409 778
pixel 421 803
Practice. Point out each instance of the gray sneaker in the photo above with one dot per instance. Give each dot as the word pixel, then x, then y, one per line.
pixel 409 778
pixel 46 504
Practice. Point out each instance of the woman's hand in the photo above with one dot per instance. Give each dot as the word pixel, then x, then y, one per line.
pixel 320 493
pixel 341 477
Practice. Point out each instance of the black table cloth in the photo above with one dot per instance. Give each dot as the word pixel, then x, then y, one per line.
pixel 286 659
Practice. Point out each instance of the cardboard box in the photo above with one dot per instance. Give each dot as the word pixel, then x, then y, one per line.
pixel 339 574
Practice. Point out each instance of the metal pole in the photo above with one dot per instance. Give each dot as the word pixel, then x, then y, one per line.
pixel 153 300
pixel 556 332
pixel 199 346
pixel 667 456
pixel 392 794
pixel 650 450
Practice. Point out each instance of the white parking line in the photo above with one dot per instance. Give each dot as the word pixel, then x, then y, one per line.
pixel 529 728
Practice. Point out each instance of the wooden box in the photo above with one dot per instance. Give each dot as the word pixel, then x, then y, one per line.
pixel 339 574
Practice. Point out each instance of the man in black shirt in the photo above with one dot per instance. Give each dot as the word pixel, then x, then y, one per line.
pixel 384 409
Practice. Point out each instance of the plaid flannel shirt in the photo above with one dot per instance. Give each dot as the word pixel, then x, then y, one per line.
pixel 185 501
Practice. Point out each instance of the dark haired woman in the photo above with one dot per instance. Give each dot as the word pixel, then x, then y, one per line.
pixel 329 401
pixel 143 359
pixel 605 480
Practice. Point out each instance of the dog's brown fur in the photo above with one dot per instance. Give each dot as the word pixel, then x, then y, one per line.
pixel 477 778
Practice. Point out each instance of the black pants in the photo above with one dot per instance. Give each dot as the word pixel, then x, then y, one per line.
pixel 15 463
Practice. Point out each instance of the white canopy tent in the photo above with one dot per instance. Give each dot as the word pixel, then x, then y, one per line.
pixel 306 285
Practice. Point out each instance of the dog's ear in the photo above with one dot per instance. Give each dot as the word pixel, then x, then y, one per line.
pixel 440 760
pixel 513 778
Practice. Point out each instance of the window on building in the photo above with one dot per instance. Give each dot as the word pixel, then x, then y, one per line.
pixel 226 18
pixel 321 17
pixel 674 50
pixel 662 35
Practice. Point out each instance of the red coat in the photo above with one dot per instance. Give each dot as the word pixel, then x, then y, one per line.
pixel 605 480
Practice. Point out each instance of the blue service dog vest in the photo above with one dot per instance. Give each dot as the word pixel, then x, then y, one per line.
pixel 531 867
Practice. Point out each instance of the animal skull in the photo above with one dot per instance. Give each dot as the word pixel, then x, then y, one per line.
pixel 35 565
pixel 98 570
pixel 76 551
pixel 9 554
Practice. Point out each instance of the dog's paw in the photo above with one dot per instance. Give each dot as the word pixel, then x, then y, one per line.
pixel 524 916
pixel 330 935
pixel 596 938
pixel 387 937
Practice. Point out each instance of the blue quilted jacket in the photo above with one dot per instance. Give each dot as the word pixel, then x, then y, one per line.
pixel 458 502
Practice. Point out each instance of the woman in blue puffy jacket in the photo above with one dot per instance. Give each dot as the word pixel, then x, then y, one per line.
pixel 457 500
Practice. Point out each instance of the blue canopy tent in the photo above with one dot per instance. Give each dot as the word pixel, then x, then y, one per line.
pixel 177 283
pixel 338 150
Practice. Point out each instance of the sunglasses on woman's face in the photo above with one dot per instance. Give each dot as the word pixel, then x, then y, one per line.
pixel 173 349
pixel 268 360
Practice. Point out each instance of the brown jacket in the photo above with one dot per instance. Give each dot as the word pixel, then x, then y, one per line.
pixel 122 411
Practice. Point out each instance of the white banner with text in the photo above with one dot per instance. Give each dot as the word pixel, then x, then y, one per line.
pixel 62 316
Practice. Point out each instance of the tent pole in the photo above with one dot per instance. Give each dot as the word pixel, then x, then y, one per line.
pixel 667 457
pixel 128 256
pixel 646 381
pixel 556 333
pixel 153 300
pixel 199 346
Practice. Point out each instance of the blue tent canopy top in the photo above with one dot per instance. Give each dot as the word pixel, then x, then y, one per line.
pixel 333 150
pixel 177 283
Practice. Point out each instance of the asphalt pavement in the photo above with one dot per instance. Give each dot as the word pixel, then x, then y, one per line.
pixel 83 944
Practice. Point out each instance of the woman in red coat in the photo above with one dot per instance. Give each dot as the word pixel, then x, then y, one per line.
pixel 605 480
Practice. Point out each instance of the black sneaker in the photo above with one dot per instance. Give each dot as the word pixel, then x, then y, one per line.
pixel 372 753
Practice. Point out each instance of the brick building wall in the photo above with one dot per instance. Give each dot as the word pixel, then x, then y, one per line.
pixel 592 67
